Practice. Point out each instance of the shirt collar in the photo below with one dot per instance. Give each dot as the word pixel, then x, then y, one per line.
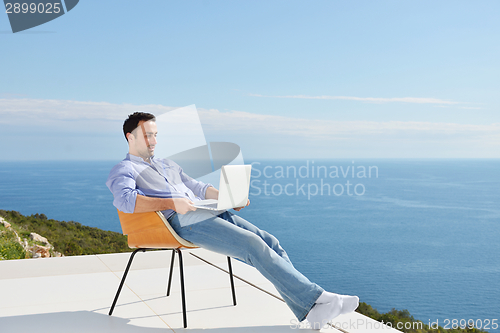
pixel 136 158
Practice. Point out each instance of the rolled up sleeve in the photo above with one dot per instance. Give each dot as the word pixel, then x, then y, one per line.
pixel 121 182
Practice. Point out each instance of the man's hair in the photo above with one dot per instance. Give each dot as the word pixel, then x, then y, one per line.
pixel 133 120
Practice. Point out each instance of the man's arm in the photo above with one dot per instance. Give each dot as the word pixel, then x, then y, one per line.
pixel 212 193
pixel 145 204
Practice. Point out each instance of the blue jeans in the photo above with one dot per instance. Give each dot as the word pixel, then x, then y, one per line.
pixel 231 235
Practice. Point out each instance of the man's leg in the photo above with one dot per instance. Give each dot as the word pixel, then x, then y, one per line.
pixel 231 235
pixel 269 239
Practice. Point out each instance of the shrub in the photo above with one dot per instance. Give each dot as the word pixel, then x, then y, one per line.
pixel 9 248
pixel 68 238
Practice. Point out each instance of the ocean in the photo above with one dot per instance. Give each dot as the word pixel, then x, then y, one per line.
pixel 420 235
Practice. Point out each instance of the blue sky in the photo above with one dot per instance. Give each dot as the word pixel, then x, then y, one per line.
pixel 288 79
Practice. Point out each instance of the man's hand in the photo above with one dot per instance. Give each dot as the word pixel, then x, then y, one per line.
pixel 183 205
pixel 240 208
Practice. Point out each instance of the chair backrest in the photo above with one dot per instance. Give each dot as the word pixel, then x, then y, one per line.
pixel 151 230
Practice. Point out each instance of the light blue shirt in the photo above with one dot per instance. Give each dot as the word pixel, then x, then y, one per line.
pixel 163 178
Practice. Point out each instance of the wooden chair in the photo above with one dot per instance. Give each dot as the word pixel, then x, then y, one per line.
pixel 152 231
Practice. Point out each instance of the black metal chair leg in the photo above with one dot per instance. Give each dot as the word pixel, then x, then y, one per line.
pixel 123 280
pixel 183 297
pixel 231 279
pixel 181 270
pixel 171 271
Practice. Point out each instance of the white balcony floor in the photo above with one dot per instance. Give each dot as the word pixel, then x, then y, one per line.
pixel 74 294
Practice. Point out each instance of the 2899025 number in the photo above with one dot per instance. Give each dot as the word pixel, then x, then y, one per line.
pixel 41 8
pixel 471 323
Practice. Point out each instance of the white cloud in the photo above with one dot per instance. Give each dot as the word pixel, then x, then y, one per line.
pixel 237 121
pixel 415 100
pixel 257 134
pixel 267 136
pixel 50 109
pixel 46 111
pixel 471 108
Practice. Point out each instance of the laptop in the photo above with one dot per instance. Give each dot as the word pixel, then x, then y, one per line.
pixel 234 186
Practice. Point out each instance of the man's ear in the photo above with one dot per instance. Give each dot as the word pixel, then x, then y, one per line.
pixel 130 137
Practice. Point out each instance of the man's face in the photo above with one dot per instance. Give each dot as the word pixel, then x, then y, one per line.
pixel 142 140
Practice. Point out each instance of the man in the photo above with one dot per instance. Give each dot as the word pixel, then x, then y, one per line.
pixel 144 183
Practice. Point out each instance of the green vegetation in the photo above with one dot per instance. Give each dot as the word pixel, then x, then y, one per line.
pixel 9 248
pixel 403 321
pixel 69 238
